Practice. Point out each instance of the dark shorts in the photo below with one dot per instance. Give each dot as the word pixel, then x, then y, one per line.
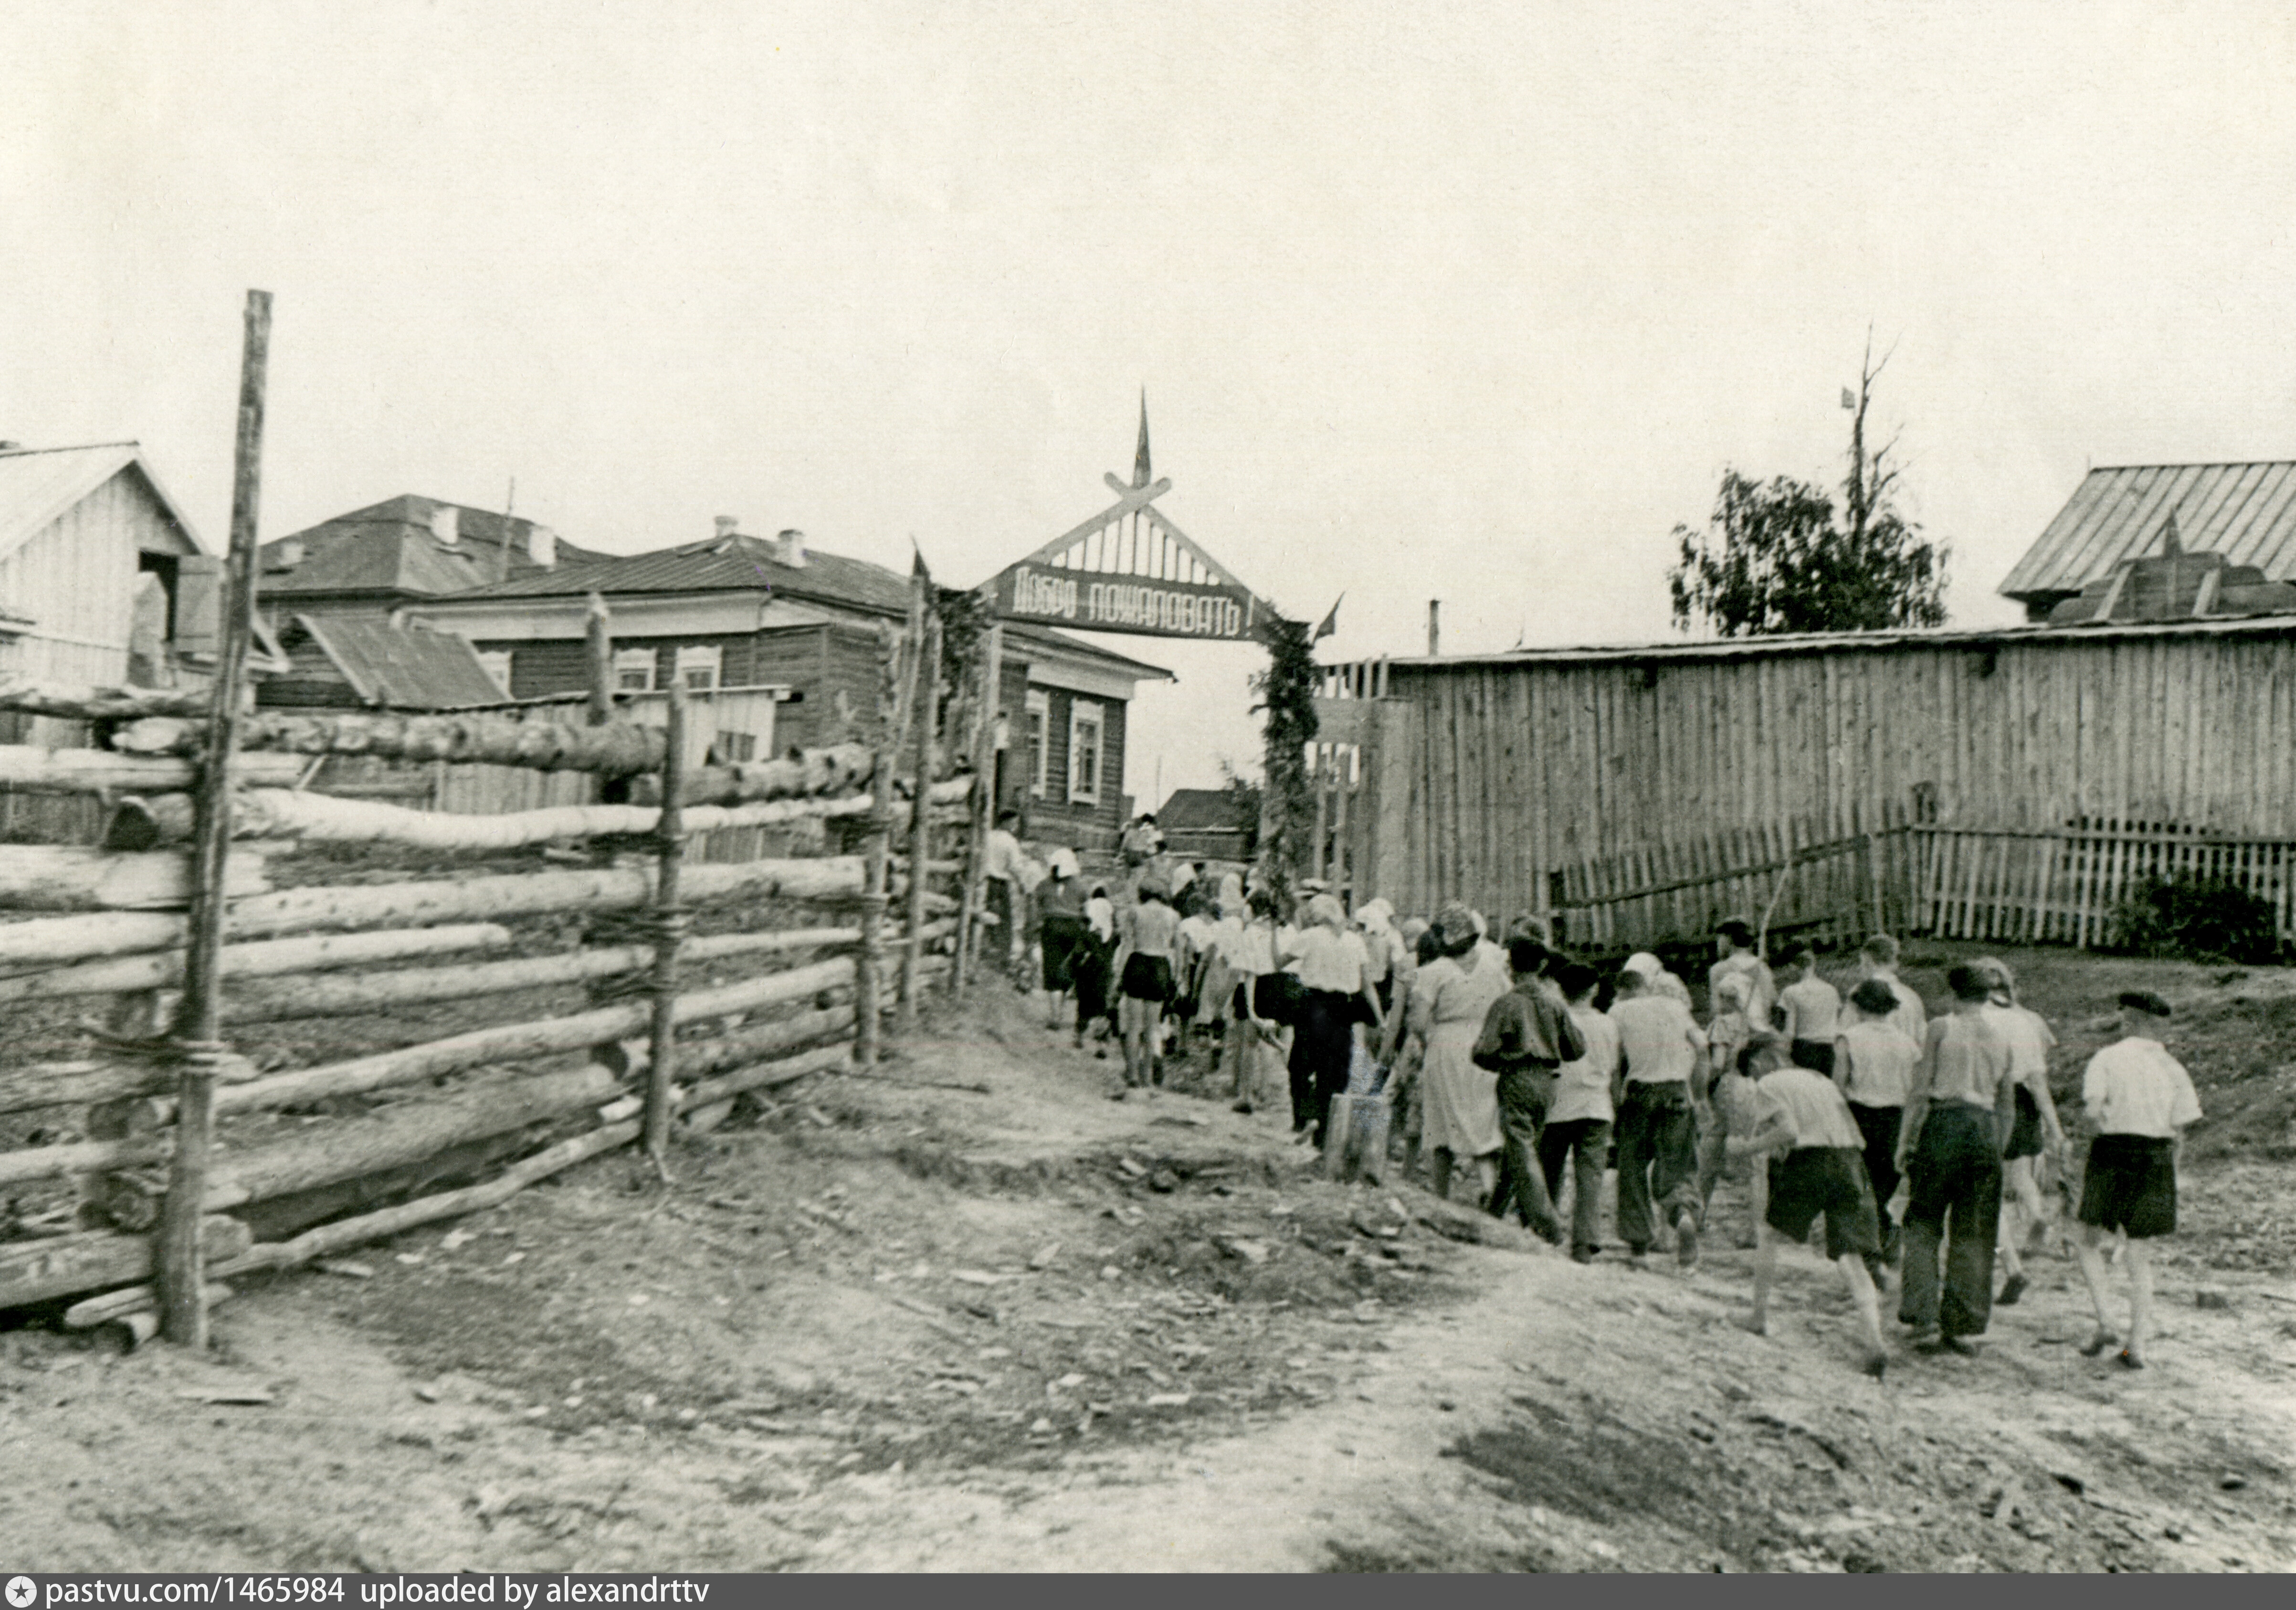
pixel 2130 1184
pixel 1148 978
pixel 1830 1180
pixel 1816 1055
pixel 1064 939
pixel 2025 1134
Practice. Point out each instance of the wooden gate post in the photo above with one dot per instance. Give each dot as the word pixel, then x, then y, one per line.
pixel 669 926
pixel 924 713
pixel 984 818
pixel 182 1291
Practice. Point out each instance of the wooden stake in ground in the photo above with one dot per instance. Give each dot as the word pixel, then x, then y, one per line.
pixel 869 962
pixel 183 1288
pixel 968 937
pixel 669 928
pixel 928 708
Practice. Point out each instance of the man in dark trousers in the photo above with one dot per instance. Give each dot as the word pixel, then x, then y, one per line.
pixel 1958 1116
pixel 1527 1035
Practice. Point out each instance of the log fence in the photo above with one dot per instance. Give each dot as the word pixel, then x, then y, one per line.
pixel 694 1001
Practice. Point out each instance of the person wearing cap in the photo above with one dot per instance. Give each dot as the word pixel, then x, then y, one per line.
pixel 1460 1101
pixel 1733 941
pixel 1329 960
pixel 1662 1047
pixel 2140 1101
pixel 1059 931
pixel 1804 1142
pixel 1959 1111
pixel 2037 1129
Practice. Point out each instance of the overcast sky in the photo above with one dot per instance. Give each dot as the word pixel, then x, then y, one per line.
pixel 1470 302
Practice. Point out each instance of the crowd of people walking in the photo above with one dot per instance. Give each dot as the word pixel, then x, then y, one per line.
pixel 1525 1076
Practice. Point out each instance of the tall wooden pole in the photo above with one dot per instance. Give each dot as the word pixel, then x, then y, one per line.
pixel 869 961
pixel 928 704
pixel 668 932
pixel 984 818
pixel 183 1294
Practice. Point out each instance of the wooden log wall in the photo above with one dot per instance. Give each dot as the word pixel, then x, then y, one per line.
pixel 1521 768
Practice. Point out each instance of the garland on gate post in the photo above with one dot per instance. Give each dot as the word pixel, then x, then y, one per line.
pixel 1287 690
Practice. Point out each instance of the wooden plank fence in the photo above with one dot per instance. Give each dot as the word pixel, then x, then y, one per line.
pixel 2025 885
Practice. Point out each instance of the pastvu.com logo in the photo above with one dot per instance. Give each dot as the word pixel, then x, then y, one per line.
pixel 22 1591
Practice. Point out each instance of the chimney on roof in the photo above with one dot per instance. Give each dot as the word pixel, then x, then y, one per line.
pixel 789 548
pixel 446 524
pixel 542 545
pixel 727 524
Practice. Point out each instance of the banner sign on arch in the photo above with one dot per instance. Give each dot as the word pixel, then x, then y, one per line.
pixel 1100 601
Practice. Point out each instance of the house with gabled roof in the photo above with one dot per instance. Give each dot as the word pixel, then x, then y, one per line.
pixel 352 662
pixel 2238 519
pixel 102 582
pixel 797 630
pixel 403 550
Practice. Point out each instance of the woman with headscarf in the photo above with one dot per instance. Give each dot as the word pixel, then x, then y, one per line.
pixel 1329 960
pixel 1448 1006
pixel 1059 901
pixel 1656 979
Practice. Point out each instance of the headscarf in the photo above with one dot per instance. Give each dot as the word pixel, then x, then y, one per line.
pixel 1656 977
pixel 1377 916
pixel 1327 909
pixel 1231 893
pixel 1062 862
pixel 1183 875
pixel 1730 988
pixel 1101 913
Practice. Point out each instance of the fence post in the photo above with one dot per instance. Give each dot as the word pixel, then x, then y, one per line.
pixel 182 1291
pixel 984 818
pixel 868 971
pixel 669 926
pixel 924 713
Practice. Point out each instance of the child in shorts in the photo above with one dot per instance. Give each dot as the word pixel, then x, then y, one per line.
pixel 1817 1165
pixel 1734 1109
pixel 2140 1101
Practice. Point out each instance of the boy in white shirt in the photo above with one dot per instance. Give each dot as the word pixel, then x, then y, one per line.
pixel 1874 1068
pixel 1812 1009
pixel 1877 958
pixel 1577 1127
pixel 1663 1048
pixel 1740 959
pixel 1812 1146
pixel 2141 1101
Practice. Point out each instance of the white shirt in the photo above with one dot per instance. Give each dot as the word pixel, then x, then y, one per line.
pixel 1248 947
pixel 1003 858
pixel 1812 1108
pixel 1328 958
pixel 2134 1086
pixel 2029 1040
pixel 1582 1088
pixel 1658 1037
pixel 1912 1017
pixel 1761 988
pixel 1813 1009
pixel 1880 1060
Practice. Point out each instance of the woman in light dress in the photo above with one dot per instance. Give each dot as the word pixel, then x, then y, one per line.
pixel 1448 1003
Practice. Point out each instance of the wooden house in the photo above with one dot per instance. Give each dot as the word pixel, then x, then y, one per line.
pixel 349 662
pixel 794 632
pixel 404 550
pixel 2244 514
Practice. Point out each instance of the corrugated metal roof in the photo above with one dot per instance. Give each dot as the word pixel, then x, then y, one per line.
pixel 1823 643
pixel 390 547
pixel 406 668
pixel 2246 512
pixel 36 484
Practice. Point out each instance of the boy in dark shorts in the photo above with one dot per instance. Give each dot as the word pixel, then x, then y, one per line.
pixel 1812 1010
pixel 2141 1100
pixel 1816 1165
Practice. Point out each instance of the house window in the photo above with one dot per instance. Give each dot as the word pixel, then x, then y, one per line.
pixel 1085 718
pixel 698 666
pixel 497 663
pixel 734 747
pixel 1040 715
pixel 634 669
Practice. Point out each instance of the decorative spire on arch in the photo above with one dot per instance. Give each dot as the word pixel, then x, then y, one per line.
pixel 1140 473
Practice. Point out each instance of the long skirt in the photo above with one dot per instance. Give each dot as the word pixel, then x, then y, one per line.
pixel 1462 1099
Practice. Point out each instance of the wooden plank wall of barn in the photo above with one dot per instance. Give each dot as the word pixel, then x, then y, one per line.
pixel 1520 770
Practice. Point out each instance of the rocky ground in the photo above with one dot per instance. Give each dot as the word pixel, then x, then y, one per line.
pixel 971 1314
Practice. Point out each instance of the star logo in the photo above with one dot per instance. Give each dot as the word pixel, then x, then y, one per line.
pixel 22 1591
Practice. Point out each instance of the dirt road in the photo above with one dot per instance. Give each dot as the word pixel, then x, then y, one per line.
pixel 888 1326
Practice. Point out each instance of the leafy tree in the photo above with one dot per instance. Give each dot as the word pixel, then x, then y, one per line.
pixel 1773 558
pixel 1287 691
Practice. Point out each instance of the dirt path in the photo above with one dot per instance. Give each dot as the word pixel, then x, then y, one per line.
pixel 888 1326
